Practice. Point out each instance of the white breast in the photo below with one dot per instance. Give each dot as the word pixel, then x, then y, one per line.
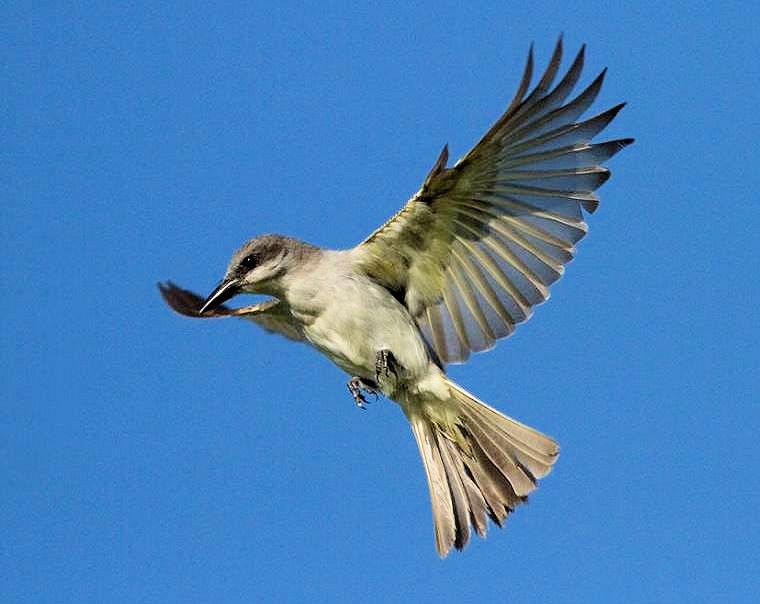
pixel 349 318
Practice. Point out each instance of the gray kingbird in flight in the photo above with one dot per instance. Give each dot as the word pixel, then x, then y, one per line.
pixel 458 267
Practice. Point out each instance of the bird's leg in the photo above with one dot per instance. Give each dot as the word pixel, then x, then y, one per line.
pixel 387 370
pixel 357 387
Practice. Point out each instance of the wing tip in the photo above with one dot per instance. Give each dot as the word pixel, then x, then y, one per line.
pixel 165 287
pixel 616 109
pixel 622 143
pixel 580 57
pixel 440 165
pixel 187 303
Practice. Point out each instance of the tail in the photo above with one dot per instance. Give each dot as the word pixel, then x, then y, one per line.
pixel 478 462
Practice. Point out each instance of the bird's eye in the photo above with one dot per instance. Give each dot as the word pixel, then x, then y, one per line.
pixel 249 261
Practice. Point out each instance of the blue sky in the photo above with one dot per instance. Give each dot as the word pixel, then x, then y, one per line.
pixel 145 457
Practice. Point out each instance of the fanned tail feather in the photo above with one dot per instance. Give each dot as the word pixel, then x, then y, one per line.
pixel 479 463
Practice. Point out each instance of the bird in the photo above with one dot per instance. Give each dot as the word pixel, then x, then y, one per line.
pixel 458 267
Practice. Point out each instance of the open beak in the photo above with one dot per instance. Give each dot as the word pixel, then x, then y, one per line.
pixel 223 292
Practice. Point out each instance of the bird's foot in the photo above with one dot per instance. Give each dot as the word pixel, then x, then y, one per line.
pixel 357 387
pixel 387 370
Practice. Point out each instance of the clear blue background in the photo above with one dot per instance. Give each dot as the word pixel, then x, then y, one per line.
pixel 145 457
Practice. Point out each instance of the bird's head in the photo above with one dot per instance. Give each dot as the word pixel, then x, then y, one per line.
pixel 258 268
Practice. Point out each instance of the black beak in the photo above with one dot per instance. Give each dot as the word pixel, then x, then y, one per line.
pixel 223 292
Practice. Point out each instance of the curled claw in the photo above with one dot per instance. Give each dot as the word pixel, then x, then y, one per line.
pixel 357 387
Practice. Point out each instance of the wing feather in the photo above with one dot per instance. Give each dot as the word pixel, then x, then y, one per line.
pixel 478 246
pixel 271 314
pixel 499 320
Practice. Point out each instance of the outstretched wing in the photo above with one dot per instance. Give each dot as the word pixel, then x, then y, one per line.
pixel 271 314
pixel 480 243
